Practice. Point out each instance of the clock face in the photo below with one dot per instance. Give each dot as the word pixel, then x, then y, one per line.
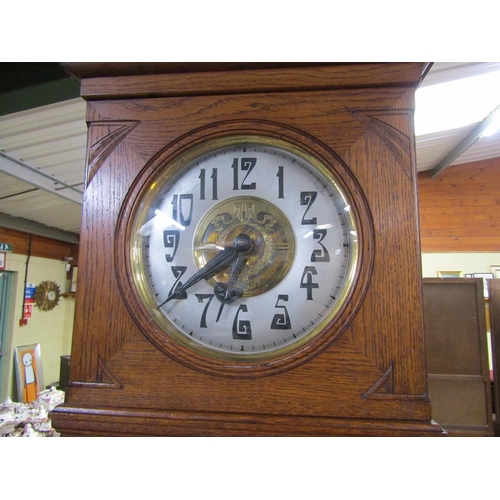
pixel 243 249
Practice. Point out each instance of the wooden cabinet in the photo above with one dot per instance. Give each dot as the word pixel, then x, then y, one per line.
pixel 64 372
pixel 457 355
pixel 368 377
pixel 494 311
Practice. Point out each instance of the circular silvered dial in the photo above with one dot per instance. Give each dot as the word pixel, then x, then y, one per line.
pixel 244 248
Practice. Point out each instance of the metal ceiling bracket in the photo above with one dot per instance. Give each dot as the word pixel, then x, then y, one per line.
pixel 24 172
pixel 466 143
pixel 30 227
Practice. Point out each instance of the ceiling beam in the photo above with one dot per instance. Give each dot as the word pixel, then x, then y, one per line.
pixel 26 173
pixel 466 143
pixel 35 228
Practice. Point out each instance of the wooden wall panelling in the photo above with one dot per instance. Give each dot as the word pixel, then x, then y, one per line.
pixel 459 210
pixel 457 355
pixel 494 309
pixel 40 246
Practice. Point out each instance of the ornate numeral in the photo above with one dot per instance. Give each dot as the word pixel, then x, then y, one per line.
pixel 177 271
pixel 214 184
pixel 171 240
pixel 201 297
pixel 281 321
pixel 307 281
pixel 308 198
pixel 318 255
pixel 182 205
pixel 281 182
pixel 242 329
pixel 246 165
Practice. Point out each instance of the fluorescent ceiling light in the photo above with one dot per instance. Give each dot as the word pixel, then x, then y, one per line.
pixel 457 103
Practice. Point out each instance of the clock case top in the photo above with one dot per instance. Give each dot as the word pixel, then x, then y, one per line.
pixel 371 380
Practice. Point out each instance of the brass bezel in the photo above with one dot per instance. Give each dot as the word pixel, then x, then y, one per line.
pixel 167 174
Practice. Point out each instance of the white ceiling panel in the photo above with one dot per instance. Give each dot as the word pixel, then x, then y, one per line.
pixel 431 148
pixel 38 120
pixel 483 149
pixel 52 141
pixel 44 135
pixel 61 145
pixel 43 208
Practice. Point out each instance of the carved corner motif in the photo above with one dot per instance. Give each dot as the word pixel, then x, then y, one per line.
pixel 397 142
pixel 103 137
pixel 384 389
pixel 104 378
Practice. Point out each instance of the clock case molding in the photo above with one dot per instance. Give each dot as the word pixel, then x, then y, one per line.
pixel 142 316
pixel 368 376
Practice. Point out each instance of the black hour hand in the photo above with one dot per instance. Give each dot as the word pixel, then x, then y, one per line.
pixel 222 260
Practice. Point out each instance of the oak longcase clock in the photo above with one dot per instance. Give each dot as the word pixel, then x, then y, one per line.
pixel 250 247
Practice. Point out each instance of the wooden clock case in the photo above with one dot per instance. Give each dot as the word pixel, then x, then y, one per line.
pixel 370 380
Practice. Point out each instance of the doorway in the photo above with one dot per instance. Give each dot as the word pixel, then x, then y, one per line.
pixel 5 295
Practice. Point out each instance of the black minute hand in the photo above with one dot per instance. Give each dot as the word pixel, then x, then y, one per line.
pixel 228 292
pixel 222 260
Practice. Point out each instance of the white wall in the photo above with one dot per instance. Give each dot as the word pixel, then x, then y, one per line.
pixel 468 263
pixel 52 329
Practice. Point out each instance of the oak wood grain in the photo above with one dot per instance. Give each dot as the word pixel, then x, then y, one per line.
pixel 247 79
pixel 368 376
pixel 118 422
